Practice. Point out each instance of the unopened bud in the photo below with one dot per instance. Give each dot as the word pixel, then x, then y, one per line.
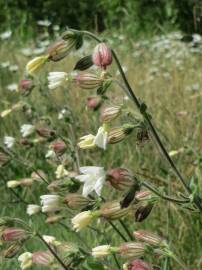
pixel 45 132
pixel 88 80
pixel 75 201
pixel 110 113
pixel 12 250
pixel 143 195
pixel 143 212
pixel 94 103
pixel 113 210
pixel 61 48
pixel 132 249
pixel 42 258
pixel 102 55
pixel 53 219
pixel 137 265
pixel 3 159
pixel 149 238
pixel 118 134
pixel 58 146
pixel 26 86
pixel 120 178
pixel 13 234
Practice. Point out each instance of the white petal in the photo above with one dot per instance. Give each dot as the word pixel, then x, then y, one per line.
pixel 82 178
pixel 99 185
pixel 91 170
pixel 88 188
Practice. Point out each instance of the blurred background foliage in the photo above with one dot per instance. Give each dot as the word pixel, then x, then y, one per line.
pixel 131 16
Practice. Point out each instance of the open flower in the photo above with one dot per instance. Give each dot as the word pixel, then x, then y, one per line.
pixel 56 79
pixel 83 219
pixel 93 179
pixel 27 130
pixel 87 141
pixel 50 203
pixel 101 137
pixel 36 63
pixel 9 141
pixel 25 260
pixel 101 251
pixel 33 209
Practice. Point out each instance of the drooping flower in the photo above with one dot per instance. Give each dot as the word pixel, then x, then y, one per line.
pixel 120 178
pixel 110 113
pixel 101 137
pixel 25 260
pixel 93 179
pixel 13 184
pixel 87 141
pixel 101 251
pixel 50 203
pixel 33 209
pixel 149 237
pixel 56 79
pixel 88 80
pixel 83 219
pixel 27 130
pixel 33 65
pixel 13 234
pixel 137 265
pixel 42 258
pixel 102 55
pixel 9 141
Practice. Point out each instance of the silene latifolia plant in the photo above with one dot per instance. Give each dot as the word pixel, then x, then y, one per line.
pixel 76 198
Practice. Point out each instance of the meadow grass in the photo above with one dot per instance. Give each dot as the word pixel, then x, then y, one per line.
pixel 167 87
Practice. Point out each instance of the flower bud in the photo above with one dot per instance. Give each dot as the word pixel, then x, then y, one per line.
pixel 75 201
pixel 143 195
pixel 58 146
pixel 42 258
pixel 120 178
pixel 102 56
pixel 45 132
pixel 149 237
pixel 118 134
pixel 143 212
pixel 26 86
pixel 137 265
pixel 36 63
pixel 94 102
pixel 26 182
pixel 88 80
pixel 12 250
pixel 110 113
pixel 25 260
pixel 3 159
pixel 53 219
pixel 132 249
pixel 113 210
pixel 13 234
pixel 33 209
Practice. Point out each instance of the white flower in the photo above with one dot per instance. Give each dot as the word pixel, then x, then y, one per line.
pixel 87 141
pixel 9 141
pixel 26 130
pixel 33 209
pixel 93 179
pixel 50 203
pixel 101 138
pixel 82 220
pixel 45 23
pixel 13 184
pixel 13 87
pixel 50 154
pixel 25 260
pixel 6 34
pixel 13 68
pixel 62 114
pixel 56 79
pixel 49 239
pixel 61 171
pixel 101 251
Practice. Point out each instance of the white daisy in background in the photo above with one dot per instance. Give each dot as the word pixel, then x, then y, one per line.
pixel 13 87
pixel 56 79
pixel 93 179
pixel 5 64
pixel 61 114
pixel 13 68
pixel 6 35
pixel 9 141
pixel 27 130
pixel 44 23
pixel 26 51
pixel 33 209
